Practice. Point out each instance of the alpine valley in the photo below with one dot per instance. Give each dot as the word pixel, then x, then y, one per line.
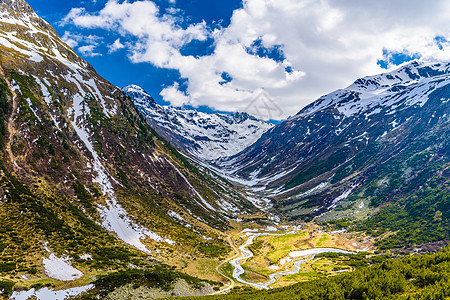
pixel 379 146
pixel 105 194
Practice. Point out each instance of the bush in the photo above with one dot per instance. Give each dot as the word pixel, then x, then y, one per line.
pixel 6 287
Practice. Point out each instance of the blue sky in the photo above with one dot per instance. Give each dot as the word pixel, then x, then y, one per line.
pixel 219 55
pixel 116 67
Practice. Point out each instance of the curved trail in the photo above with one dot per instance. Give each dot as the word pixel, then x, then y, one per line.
pixel 232 282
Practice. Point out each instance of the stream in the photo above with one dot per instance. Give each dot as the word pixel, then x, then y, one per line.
pixel 306 255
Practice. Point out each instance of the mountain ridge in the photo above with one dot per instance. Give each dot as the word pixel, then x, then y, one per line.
pixel 205 136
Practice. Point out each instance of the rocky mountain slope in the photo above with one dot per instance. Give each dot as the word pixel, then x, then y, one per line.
pixel 380 144
pixel 205 136
pixel 86 185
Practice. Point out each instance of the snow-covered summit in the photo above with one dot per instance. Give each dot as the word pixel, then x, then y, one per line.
pixel 401 88
pixel 32 38
pixel 206 136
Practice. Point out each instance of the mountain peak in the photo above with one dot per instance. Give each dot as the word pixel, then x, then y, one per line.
pixel 33 39
pixel 134 88
pixel 139 95
pixel 242 116
pixel 206 136
pixel 20 13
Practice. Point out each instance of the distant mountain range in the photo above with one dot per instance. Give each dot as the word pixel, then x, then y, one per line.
pixel 381 141
pixel 203 135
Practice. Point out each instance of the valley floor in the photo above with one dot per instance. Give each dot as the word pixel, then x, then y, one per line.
pixel 332 265
pixel 269 257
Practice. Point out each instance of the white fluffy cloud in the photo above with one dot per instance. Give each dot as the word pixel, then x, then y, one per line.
pixel 87 44
pixel 326 45
pixel 71 39
pixel 178 98
pixel 88 50
pixel 117 45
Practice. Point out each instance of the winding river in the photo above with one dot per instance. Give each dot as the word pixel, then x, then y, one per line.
pixel 304 255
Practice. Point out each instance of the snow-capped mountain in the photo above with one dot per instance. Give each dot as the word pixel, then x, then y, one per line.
pixel 316 156
pixel 386 93
pixel 205 136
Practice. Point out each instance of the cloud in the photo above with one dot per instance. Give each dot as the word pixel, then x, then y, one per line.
pixel 173 95
pixel 296 50
pixel 88 50
pixel 159 37
pixel 117 45
pixel 71 39
pixel 86 43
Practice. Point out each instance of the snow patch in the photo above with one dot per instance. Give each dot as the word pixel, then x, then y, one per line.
pixel 192 188
pixel 283 261
pixel 47 98
pixel 86 256
pixel 249 230
pixel 271 228
pixel 48 294
pixel 339 231
pixel 316 251
pixel 260 203
pixel 60 268
pixel 180 218
pixel 32 109
pixel 314 189
pixel 341 197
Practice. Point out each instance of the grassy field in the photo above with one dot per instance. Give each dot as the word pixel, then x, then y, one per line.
pixel 203 268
